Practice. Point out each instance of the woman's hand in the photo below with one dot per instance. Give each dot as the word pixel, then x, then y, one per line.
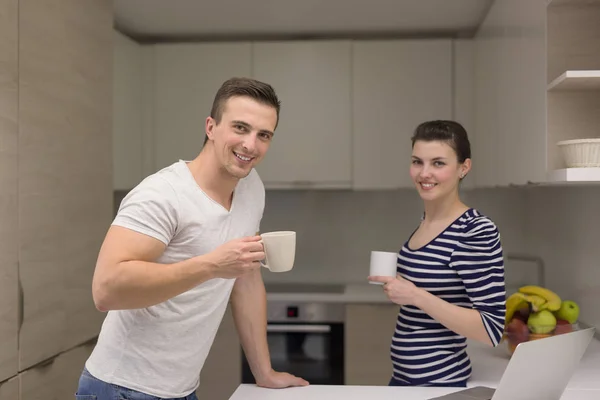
pixel 398 289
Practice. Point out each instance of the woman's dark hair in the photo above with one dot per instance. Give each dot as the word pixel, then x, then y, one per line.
pixel 450 132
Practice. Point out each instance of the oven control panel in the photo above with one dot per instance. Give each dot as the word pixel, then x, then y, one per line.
pixel 305 312
pixel 292 312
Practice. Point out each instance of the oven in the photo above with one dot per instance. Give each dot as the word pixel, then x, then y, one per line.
pixel 306 340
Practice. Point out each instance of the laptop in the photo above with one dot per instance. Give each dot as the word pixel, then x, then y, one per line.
pixel 539 369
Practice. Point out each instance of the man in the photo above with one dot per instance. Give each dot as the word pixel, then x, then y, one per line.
pixel 184 242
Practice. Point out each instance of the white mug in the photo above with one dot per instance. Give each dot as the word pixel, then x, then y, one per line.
pixel 383 263
pixel 280 250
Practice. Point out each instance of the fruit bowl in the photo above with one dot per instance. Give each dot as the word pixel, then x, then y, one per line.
pixel 535 313
pixel 518 332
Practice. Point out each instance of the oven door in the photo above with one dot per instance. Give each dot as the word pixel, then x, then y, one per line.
pixel 312 351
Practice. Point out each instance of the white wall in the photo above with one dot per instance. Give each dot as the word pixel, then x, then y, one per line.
pixel 127 111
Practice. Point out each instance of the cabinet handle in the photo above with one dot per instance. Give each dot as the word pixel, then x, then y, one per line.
pixel 303 183
pixel 21 305
pixel 299 328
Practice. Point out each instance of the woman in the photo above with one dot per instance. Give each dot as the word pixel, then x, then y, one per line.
pixel 450 282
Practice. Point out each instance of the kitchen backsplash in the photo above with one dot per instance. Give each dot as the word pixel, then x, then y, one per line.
pixel 338 229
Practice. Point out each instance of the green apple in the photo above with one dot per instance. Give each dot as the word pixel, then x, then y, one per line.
pixel 569 311
pixel 541 322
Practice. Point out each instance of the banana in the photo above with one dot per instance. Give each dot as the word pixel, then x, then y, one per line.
pixel 553 301
pixel 514 303
pixel 538 303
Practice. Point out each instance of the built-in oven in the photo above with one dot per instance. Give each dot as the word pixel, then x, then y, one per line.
pixel 306 340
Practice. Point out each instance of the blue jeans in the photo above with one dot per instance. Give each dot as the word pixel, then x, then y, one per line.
pixel 91 388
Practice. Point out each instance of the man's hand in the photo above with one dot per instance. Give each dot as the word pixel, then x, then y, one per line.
pixel 279 380
pixel 238 257
pixel 398 289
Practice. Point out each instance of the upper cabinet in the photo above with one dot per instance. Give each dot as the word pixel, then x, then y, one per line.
pixel 396 85
pixel 536 85
pixel 348 108
pixel 312 146
pixel 186 79
pixel 510 95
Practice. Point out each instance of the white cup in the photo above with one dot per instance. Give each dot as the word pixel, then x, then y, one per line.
pixel 280 250
pixel 383 263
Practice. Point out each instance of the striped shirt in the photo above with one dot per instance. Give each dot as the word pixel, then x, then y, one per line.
pixel 464 266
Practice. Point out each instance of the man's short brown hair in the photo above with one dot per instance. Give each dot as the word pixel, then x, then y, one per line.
pixel 247 87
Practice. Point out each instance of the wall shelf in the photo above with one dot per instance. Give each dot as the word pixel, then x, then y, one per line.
pixel 576 80
pixel 574 175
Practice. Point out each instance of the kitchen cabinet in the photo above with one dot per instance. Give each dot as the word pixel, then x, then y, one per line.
pixel 396 85
pixel 9 224
pixel 312 146
pixel 127 113
pixel 9 390
pixel 510 98
pixel 222 371
pixel 363 100
pixel 186 79
pixel 368 335
pixel 55 187
pixel 528 54
pixel 65 171
pixel 57 378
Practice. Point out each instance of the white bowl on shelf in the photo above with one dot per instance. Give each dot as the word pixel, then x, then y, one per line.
pixel 581 153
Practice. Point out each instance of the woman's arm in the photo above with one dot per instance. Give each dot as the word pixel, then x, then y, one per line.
pixel 464 321
pixel 467 322
pixel 479 262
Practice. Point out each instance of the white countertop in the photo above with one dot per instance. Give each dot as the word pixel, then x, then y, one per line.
pixel 321 392
pixel 488 366
pixel 364 293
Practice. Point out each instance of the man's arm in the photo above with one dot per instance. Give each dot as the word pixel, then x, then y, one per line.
pixel 127 276
pixel 249 307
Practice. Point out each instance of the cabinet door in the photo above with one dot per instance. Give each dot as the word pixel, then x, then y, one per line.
pixel 396 85
pixel 187 77
pixel 368 335
pixel 511 95
pixel 69 366
pixel 9 254
pixel 9 390
pixel 312 143
pixel 225 355
pixel 65 174
pixel 127 113
pixel 57 378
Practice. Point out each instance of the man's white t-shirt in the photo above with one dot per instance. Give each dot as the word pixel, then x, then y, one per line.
pixel 160 350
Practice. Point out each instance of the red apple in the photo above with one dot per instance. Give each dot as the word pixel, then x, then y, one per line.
pixel 517 331
pixel 562 326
